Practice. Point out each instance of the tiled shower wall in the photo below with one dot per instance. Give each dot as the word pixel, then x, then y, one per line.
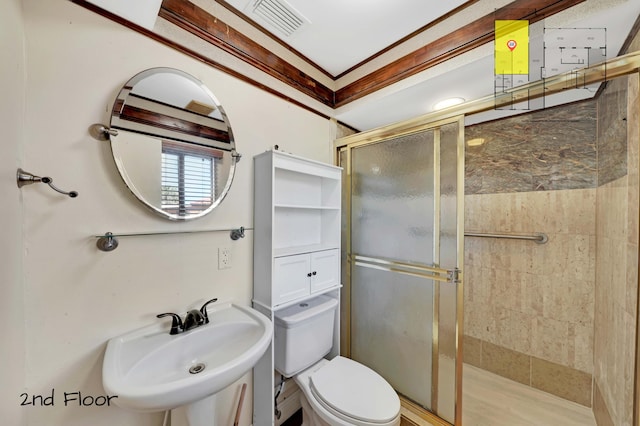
pixel 616 287
pixel 559 316
pixel 529 308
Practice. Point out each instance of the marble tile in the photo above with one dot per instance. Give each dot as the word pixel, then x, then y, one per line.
pixel 533 289
pixel 631 293
pixel 581 338
pixel 474 320
pixel 497 325
pixel 561 381
pixel 569 299
pixel 565 158
pixel 600 410
pixel 612 131
pixel 491 400
pixel 540 298
pixel 506 363
pixel 504 291
pixel 551 149
pixel 550 340
pixel 628 361
pixel 472 351
pixel 574 211
pixel 633 133
pixel 572 300
pixel 520 338
pixel 616 278
pixel 518 366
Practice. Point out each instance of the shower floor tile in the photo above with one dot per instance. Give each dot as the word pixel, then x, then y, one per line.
pixel 491 400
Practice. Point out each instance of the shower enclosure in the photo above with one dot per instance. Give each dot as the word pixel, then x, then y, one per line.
pixel 403 216
pixel 403 245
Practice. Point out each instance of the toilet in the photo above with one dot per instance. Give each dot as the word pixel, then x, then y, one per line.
pixel 336 392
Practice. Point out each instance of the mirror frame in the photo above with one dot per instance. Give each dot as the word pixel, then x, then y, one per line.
pixel 230 150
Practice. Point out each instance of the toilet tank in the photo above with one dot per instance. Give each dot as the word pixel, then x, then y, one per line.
pixel 303 334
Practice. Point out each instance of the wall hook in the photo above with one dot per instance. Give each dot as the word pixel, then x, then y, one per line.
pixel 237 233
pixel 25 178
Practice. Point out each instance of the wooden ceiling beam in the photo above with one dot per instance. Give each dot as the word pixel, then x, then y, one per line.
pixel 200 23
pixel 460 41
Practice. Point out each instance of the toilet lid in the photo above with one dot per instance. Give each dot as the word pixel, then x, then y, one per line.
pixel 355 391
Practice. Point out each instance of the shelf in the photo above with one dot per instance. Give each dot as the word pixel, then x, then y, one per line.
pixel 289 251
pixel 295 164
pixel 308 207
pixel 294 188
pixel 296 251
pixel 300 227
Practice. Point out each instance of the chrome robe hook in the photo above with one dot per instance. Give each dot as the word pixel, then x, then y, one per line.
pixel 25 178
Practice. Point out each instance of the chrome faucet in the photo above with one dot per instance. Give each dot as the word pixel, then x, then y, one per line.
pixel 194 319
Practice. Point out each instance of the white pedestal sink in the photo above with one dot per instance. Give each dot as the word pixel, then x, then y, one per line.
pixel 151 370
pixel 197 413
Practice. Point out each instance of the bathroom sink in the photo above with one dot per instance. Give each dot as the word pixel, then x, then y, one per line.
pixel 150 370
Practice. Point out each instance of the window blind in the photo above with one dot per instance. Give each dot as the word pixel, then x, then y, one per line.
pixel 188 184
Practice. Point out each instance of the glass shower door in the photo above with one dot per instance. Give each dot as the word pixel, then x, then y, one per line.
pixel 404 255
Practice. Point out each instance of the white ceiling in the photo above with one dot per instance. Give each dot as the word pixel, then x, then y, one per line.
pixel 343 33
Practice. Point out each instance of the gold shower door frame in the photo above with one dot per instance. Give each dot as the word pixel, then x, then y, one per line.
pixel 450 278
pixel 622 65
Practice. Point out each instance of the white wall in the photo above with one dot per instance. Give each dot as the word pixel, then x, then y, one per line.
pixel 76 297
pixel 11 294
pixel 140 158
pixel 142 13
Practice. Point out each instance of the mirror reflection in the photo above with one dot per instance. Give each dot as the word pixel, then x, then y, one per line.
pixel 174 148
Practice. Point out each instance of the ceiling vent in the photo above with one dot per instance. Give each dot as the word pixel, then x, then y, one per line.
pixel 279 15
pixel 200 107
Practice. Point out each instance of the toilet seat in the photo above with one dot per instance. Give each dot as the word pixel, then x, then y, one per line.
pixel 351 393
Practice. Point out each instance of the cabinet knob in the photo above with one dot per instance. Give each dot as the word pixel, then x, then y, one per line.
pixel 309 274
pixel 313 273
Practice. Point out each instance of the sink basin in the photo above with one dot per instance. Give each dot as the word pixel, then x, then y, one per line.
pixel 149 369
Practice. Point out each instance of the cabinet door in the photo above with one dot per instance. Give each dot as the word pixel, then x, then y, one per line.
pixel 290 278
pixel 325 269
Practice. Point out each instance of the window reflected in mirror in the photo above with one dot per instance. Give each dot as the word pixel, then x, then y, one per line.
pixel 188 177
pixel 174 148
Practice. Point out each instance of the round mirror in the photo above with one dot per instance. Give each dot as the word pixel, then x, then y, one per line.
pixel 174 147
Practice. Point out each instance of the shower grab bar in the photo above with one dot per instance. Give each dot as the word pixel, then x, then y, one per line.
pixel 538 238
pixel 408 268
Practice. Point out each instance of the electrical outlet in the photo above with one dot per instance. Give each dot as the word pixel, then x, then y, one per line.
pixel 224 258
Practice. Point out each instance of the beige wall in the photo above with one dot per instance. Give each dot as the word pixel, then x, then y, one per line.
pixel 616 290
pixel 12 348
pixel 76 297
pixel 536 299
pixel 529 307
pixel 553 315
pixel 143 155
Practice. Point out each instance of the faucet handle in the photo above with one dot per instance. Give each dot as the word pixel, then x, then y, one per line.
pixel 176 323
pixel 203 310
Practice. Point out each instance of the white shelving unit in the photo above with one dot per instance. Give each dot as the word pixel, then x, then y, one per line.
pixel 296 248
